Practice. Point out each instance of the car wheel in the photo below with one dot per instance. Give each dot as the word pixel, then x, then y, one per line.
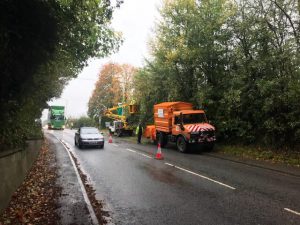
pixel 75 143
pixel 182 145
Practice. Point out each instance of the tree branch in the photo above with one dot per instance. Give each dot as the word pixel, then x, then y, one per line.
pixel 291 23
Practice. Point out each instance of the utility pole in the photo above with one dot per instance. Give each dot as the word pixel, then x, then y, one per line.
pixel 99 114
pixel 100 117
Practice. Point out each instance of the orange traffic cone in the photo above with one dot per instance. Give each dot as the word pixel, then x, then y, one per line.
pixel 159 154
pixel 110 139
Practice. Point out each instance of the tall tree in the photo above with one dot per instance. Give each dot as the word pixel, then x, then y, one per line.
pixel 266 65
pixel 107 90
pixel 189 57
pixel 43 45
pixel 125 77
pixel 239 60
pixel 113 86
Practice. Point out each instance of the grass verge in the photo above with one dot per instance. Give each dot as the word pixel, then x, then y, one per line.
pixel 285 156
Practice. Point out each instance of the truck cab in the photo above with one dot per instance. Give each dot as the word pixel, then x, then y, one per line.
pixel 192 127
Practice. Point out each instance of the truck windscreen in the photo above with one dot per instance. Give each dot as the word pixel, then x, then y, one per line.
pixel 57 117
pixel 194 118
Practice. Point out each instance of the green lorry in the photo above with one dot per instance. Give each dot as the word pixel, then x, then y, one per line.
pixel 56 118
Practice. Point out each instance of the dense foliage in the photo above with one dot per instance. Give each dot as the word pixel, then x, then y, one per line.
pixel 43 45
pixel 237 60
pixel 83 121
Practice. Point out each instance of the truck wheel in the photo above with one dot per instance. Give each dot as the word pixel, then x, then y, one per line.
pixel 209 147
pixel 163 139
pixel 154 141
pixel 182 145
pixel 119 133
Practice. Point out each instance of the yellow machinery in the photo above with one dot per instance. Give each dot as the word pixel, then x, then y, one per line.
pixel 120 124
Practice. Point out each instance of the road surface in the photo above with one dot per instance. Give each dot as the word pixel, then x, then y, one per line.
pixel 185 188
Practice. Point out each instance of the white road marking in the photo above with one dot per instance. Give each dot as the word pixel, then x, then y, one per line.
pixel 66 144
pixel 191 172
pixel 85 196
pixel 199 175
pixel 68 131
pixel 292 211
pixel 188 171
pixel 147 156
pixel 128 149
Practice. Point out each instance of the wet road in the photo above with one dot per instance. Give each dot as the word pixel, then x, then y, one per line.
pixel 186 188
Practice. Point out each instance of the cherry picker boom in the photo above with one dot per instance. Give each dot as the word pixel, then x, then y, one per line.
pixel 120 125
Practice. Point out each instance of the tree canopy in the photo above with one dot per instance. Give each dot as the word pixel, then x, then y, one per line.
pixel 113 86
pixel 43 45
pixel 239 60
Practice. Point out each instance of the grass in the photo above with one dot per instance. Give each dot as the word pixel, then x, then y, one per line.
pixel 288 157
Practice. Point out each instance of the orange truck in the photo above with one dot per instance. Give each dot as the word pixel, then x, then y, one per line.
pixel 178 122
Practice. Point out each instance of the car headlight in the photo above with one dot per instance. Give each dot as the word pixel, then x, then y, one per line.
pixel 101 139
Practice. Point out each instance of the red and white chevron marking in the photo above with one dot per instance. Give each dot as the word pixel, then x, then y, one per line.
pixel 198 127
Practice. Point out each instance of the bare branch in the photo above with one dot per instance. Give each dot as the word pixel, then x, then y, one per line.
pixel 291 23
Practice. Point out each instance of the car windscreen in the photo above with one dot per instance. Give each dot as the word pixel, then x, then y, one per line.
pixel 89 131
pixel 194 118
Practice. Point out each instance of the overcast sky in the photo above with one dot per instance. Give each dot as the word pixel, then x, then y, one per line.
pixel 135 19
